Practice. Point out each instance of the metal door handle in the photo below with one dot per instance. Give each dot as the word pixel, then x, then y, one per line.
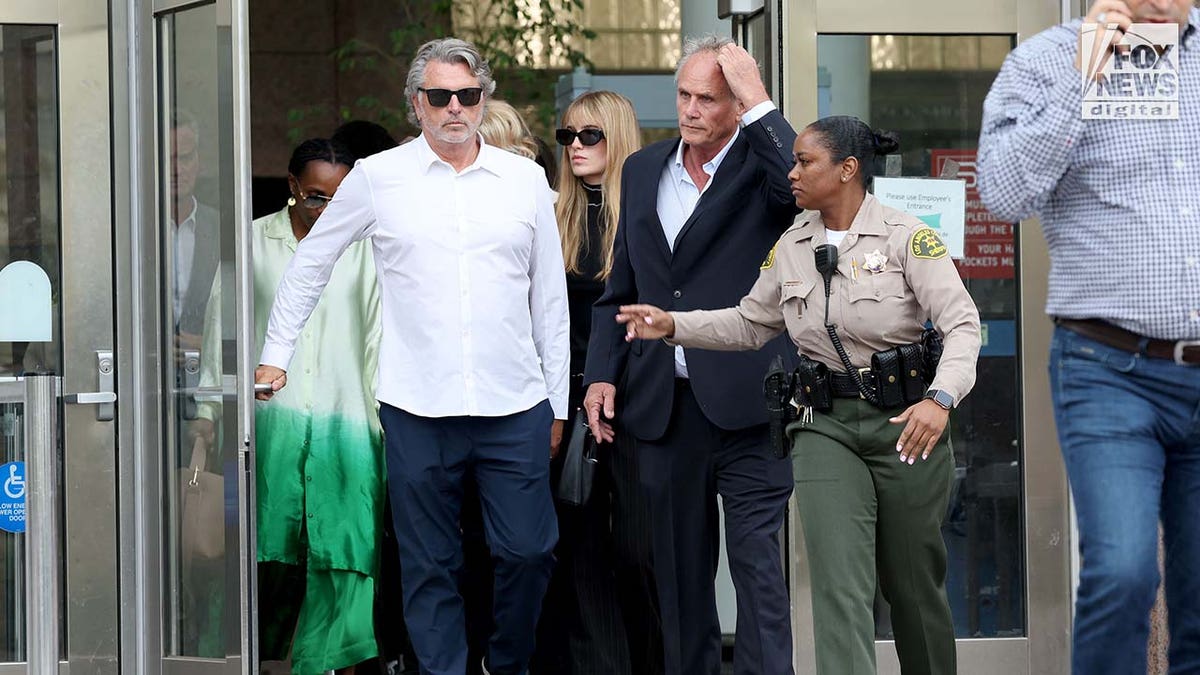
pixel 106 398
pixel 91 397
pixel 228 388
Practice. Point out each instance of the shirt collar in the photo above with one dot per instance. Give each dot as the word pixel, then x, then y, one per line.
pixel 1192 29
pixel 279 226
pixel 191 218
pixel 710 167
pixel 486 159
pixel 868 221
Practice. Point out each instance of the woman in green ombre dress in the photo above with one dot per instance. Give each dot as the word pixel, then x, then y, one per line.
pixel 320 463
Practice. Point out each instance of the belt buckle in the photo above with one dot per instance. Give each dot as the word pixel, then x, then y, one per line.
pixel 863 374
pixel 1182 345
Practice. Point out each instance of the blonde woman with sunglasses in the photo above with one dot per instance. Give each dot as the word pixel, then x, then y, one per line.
pixel 599 615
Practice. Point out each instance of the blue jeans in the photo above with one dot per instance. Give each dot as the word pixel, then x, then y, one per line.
pixel 1129 427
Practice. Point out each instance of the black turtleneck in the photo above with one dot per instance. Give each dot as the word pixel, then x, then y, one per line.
pixel 583 289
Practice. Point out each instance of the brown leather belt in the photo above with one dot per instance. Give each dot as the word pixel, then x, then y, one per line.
pixel 1183 352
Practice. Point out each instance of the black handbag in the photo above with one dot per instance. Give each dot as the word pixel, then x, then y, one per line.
pixel 579 464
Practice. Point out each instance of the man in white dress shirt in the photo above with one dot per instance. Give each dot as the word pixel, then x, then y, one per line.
pixel 474 358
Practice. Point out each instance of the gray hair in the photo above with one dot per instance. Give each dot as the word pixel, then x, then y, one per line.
pixel 445 50
pixel 704 43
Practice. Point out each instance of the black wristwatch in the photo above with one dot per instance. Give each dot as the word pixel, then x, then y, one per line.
pixel 945 400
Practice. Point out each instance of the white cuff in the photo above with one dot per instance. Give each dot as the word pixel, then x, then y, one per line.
pixel 276 355
pixel 757 112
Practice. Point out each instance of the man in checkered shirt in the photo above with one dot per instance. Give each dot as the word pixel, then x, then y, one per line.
pixel 1119 202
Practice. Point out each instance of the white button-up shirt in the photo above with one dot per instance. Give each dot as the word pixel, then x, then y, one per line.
pixel 185 252
pixel 678 195
pixel 471 277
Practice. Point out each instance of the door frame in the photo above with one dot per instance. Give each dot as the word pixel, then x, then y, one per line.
pixel 140 332
pixel 1045 504
pixel 88 508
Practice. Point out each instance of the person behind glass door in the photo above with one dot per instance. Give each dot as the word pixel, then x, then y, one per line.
pixel 194 235
pixel 600 615
pixel 474 357
pixel 866 516
pixel 1117 199
pixel 191 235
pixel 319 448
pixel 697 215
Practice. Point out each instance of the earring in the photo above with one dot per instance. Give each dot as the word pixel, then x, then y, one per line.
pixel 291 201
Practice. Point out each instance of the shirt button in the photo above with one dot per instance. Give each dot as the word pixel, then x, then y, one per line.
pixel 310 515
pixel 1190 260
pixel 1194 315
pixel 678 294
pixel 308 406
pixel 1187 211
pixel 1179 164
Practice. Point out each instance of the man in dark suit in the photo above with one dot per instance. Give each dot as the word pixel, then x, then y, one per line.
pixel 699 214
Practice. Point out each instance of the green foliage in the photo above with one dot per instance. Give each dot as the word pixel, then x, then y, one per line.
pixel 528 44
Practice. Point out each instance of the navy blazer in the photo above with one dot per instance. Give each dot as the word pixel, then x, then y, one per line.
pixel 716 260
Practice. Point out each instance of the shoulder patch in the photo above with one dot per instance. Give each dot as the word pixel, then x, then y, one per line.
pixel 926 243
pixel 770 261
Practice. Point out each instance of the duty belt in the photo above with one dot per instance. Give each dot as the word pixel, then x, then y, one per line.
pixel 1182 352
pixel 841 385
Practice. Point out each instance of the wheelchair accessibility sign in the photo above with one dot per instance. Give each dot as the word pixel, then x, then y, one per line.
pixel 12 497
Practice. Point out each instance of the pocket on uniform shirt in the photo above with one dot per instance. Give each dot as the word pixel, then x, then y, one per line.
pixel 878 287
pixel 793 297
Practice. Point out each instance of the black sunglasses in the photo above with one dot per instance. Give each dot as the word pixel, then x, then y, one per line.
pixel 314 201
pixel 440 98
pixel 587 137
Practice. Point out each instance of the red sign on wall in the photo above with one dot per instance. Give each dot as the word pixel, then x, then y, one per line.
pixel 989 250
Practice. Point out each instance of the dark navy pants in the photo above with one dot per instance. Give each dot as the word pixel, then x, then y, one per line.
pixel 682 474
pixel 509 457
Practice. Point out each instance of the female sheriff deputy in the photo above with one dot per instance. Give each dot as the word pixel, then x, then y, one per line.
pixel 853 283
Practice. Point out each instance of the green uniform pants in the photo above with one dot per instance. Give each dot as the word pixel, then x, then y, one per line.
pixel 866 515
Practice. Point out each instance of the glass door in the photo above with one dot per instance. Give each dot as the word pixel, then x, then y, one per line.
pixel 201 211
pixel 59 600
pixel 922 68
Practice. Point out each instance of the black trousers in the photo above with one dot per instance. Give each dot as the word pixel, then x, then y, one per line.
pixel 682 474
pixel 600 615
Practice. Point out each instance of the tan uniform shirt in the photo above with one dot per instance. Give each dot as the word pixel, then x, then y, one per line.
pixel 893 274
